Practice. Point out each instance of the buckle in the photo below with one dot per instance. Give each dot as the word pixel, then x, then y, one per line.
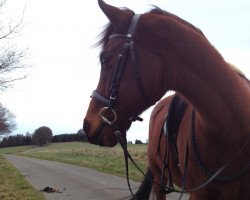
pixel 106 119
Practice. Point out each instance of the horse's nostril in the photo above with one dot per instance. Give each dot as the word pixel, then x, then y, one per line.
pixel 85 127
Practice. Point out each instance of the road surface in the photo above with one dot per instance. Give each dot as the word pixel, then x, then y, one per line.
pixel 72 182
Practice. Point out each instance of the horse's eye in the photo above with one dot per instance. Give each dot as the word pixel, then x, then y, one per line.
pixel 103 59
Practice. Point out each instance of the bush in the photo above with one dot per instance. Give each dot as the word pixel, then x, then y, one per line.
pixel 42 136
pixel 138 142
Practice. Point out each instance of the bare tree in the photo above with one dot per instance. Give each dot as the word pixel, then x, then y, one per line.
pixel 10 57
pixel 7 121
pixel 10 60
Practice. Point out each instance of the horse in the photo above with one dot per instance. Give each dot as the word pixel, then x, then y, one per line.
pixel 143 57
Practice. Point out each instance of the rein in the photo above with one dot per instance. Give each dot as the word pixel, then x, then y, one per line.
pixel 203 166
pixel 169 188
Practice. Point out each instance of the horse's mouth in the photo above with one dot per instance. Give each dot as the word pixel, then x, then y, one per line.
pixel 99 136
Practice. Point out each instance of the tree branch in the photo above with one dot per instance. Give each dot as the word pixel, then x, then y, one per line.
pixel 10 58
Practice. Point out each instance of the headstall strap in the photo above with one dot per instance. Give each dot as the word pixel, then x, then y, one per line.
pixel 115 82
pixel 113 90
pixel 122 57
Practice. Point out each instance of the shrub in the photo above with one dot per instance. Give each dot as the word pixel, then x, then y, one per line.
pixel 42 136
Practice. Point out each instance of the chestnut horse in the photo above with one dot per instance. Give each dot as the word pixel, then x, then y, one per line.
pixel 143 57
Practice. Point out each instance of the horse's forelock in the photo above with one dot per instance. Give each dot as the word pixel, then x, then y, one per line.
pixel 104 35
pixel 107 31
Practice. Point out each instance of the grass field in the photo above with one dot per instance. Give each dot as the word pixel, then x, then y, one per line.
pixel 109 160
pixel 13 185
pixel 15 150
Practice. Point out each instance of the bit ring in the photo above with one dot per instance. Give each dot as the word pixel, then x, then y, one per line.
pixel 105 119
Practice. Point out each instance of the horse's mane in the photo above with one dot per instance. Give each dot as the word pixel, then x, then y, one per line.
pixel 159 11
pixel 107 31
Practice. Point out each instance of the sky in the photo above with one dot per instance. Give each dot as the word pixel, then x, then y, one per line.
pixel 59 36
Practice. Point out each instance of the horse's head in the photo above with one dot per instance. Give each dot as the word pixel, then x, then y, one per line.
pixel 125 88
pixel 139 58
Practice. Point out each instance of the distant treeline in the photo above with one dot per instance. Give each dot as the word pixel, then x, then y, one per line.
pixel 81 137
pixel 16 140
pixel 22 140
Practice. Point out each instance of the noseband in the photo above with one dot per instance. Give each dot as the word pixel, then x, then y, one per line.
pixel 108 103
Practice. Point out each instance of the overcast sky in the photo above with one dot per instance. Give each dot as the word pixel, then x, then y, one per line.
pixel 59 35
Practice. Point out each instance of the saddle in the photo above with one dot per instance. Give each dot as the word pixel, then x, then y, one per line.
pixel 173 119
pixel 170 131
pixel 172 122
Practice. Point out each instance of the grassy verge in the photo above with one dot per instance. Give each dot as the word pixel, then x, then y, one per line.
pixel 108 160
pixel 15 150
pixel 13 185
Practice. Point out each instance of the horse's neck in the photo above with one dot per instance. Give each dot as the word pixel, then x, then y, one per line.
pixel 219 96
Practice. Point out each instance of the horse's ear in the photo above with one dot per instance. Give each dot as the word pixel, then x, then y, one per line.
pixel 116 15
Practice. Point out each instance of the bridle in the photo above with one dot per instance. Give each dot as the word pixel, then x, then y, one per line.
pixel 108 103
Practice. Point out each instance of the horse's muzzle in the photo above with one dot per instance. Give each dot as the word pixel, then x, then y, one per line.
pixel 96 137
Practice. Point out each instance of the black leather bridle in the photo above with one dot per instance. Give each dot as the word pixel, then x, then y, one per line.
pixel 109 102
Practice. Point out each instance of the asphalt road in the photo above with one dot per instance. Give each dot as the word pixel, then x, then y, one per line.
pixel 72 182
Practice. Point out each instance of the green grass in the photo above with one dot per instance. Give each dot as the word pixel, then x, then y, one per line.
pixel 13 185
pixel 14 150
pixel 108 160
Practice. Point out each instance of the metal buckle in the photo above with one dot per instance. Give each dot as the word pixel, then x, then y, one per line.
pixel 105 119
pixel 129 35
pixel 129 40
pixel 112 97
pixel 117 133
pixel 129 43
